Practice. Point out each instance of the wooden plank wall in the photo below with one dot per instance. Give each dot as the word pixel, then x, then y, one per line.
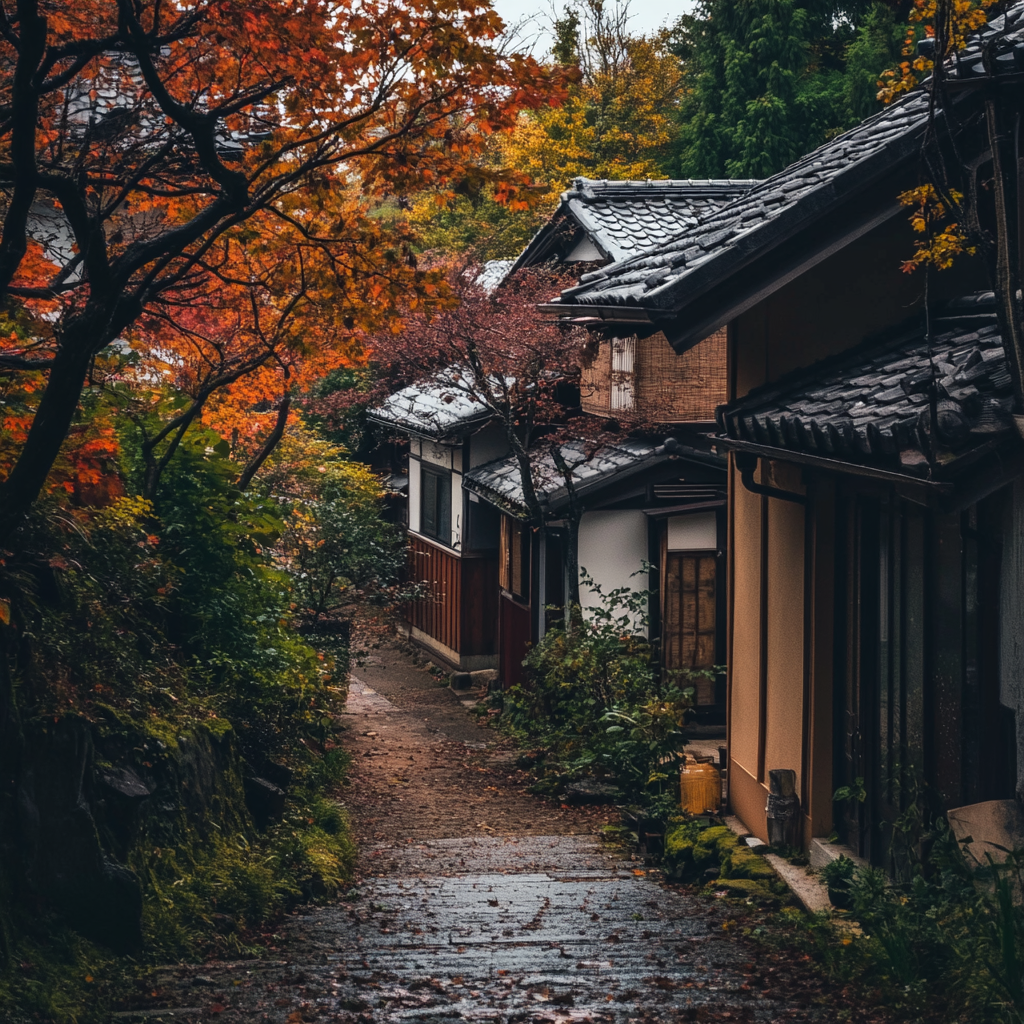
pixel 480 609
pixel 438 614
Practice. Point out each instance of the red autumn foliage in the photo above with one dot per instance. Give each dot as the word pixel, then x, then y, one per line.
pixel 205 181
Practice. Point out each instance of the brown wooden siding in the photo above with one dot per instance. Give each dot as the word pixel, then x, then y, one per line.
pixel 515 639
pixel 666 387
pixel 437 613
pixel 459 608
pixel 480 605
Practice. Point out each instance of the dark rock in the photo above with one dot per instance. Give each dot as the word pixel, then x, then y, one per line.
pixel 264 800
pixel 125 783
pixel 485 677
pixel 591 791
pixel 120 800
pixel 65 863
pixel 461 681
pixel 279 774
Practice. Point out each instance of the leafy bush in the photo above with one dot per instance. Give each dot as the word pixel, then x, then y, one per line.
pixel 596 701
pixel 837 875
pixel 150 620
pixel 945 944
pixel 949 933
pixel 336 544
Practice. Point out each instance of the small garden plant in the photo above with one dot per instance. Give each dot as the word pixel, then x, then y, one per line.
pixel 597 705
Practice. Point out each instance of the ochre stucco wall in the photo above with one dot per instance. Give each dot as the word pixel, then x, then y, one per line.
pixel 744 658
pixel 844 301
pixel 783 741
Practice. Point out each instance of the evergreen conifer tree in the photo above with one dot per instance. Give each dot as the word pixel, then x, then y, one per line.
pixel 768 80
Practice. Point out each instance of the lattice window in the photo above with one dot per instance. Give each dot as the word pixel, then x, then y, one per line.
pixel 623 366
pixel 688 640
pixel 436 504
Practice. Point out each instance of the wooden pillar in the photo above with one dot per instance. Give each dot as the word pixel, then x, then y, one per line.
pixel 818 787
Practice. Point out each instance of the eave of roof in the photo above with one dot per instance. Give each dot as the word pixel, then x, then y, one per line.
pixel 665 281
pixel 869 411
pixel 436 409
pixel 498 482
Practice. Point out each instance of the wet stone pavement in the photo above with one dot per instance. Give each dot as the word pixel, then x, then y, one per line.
pixel 506 925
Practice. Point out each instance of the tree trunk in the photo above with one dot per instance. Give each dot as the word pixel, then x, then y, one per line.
pixel 50 427
pixel 1006 273
pixel 572 560
pixel 268 446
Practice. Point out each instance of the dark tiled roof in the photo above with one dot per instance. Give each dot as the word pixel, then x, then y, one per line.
pixel 623 218
pixel 727 238
pixel 873 406
pixel 438 408
pixel 501 484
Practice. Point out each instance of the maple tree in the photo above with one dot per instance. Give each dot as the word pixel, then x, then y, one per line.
pixel 619 119
pixel 198 181
pixel 964 206
pixel 496 349
pixel 335 542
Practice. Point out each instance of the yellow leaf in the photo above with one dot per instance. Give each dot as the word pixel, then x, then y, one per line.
pixel 5 612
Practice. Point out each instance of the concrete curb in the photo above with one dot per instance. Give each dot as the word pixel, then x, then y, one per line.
pixel 807 888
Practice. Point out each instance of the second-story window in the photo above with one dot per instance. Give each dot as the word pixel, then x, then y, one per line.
pixel 436 504
pixel 623 359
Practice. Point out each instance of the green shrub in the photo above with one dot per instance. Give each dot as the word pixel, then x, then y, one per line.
pixel 152 621
pixel 596 700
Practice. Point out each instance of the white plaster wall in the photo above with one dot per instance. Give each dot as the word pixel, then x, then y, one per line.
pixel 1011 632
pixel 487 445
pixel 458 496
pixel 436 454
pixel 697 532
pixel 612 547
pixel 584 250
pixel 414 495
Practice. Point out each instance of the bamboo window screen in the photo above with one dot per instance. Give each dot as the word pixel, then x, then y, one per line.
pixel 689 616
pixel 648 378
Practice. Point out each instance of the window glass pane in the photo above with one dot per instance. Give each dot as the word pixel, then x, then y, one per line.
pixel 444 508
pixel 428 511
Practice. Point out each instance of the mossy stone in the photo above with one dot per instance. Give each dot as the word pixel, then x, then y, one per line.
pixel 678 859
pixel 747 888
pixel 742 863
pixel 691 851
pixel 713 846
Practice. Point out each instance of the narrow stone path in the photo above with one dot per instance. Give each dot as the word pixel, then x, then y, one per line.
pixel 479 902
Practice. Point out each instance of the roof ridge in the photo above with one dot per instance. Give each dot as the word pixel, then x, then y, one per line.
pixel 661 266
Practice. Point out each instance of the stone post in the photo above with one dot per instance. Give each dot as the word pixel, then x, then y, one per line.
pixel 783 810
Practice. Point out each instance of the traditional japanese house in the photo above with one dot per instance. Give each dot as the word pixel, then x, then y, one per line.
pixel 633 380
pixel 643 504
pixel 453 543
pixel 876 505
pixel 638 376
